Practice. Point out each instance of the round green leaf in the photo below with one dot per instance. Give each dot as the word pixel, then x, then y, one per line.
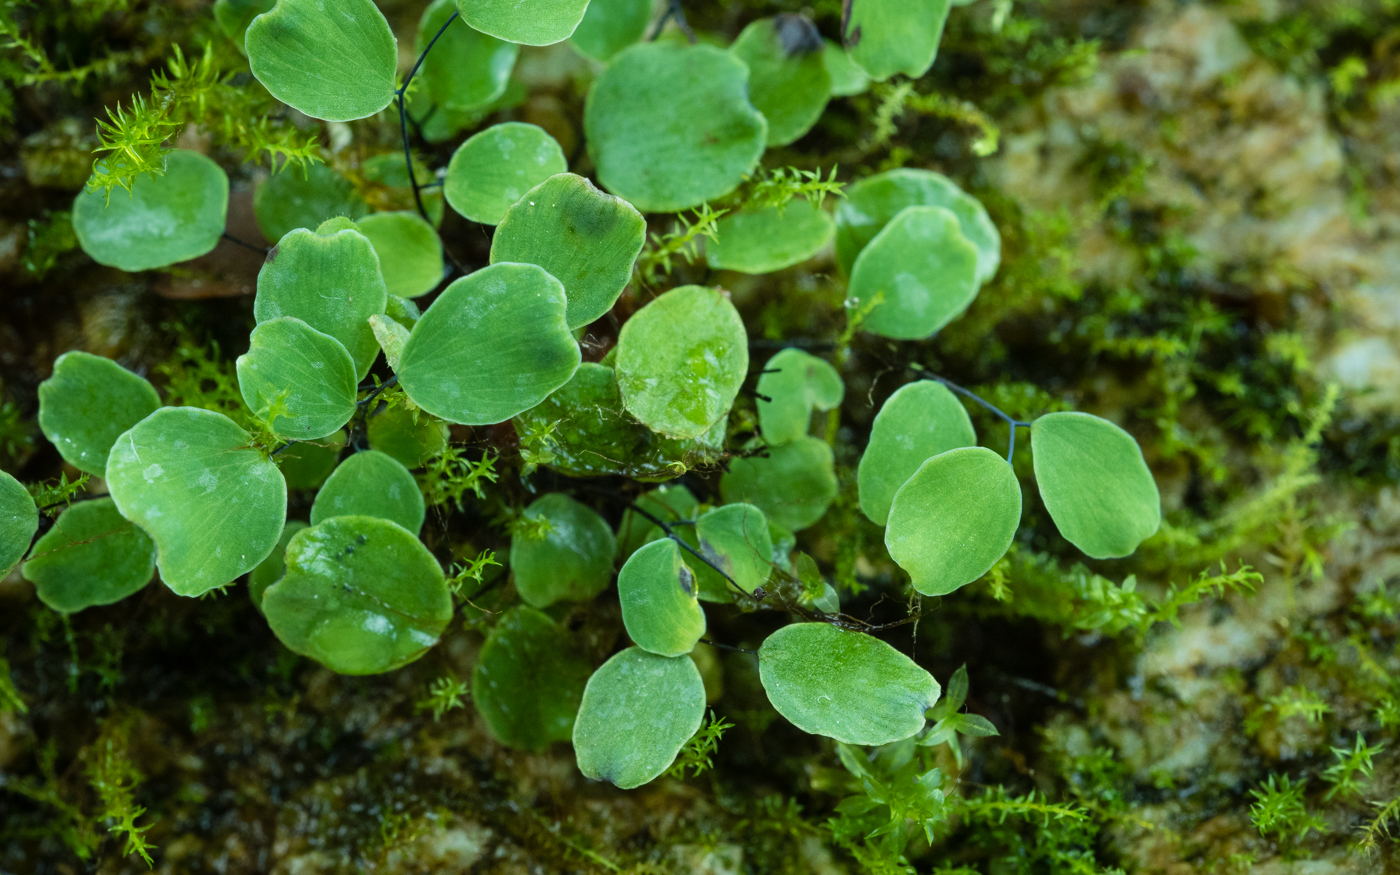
pixel 658 595
pixel 793 483
pixel 923 270
pixel 91 556
pixel 493 169
pixel 19 520
pixel 191 479
pixel 638 710
pixel 846 78
pixel 681 360
pixel 269 571
pixel 848 686
pixel 234 16
pixel 493 344
pixel 870 204
pixel 86 405
pixel 302 382
pixel 1095 483
pixel 411 437
pixel 371 484
pixel 736 538
pixel 919 421
pixel 886 37
pixel 669 503
pixel 529 680
pixel 304 197
pixel 307 464
pixel 175 216
pixel 670 127
pixel 466 69
pixel 331 281
pixel 410 253
pixel 333 61
pixel 585 239
pixel 609 26
pixel 581 430
pixel 788 79
pixel 360 595
pixel 952 520
pixel 561 550
pixel 530 22
pixel 762 241
pixel 798 383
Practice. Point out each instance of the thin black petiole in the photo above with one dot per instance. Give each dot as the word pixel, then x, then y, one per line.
pixel 403 116
pixel 374 393
pixel 281 449
pixel 245 244
pixel 675 11
pixel 729 647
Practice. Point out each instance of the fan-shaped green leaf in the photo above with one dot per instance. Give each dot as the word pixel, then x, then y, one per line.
pixel 788 80
pixel 585 239
pixel 19 520
pixel 86 405
pixel 609 26
pixel 762 241
pixel 870 204
pixel 954 518
pixel 234 16
pixel 681 360
pixel 331 281
pixel 331 61
pixel 495 168
pixel 408 436
pixel 798 382
pixel 658 595
pixel 529 680
pixel 192 480
pixel 466 69
pixel 300 380
pixel 919 421
pixel 561 550
pixel 736 538
pixel 846 78
pixel 91 556
pixel 492 345
pixel 638 710
pixel 845 685
pixel 304 198
pixel 923 271
pixel 886 37
pixel 668 503
pixel 1095 483
pixel 581 430
pixel 793 483
pixel 531 22
pixel 307 464
pixel 360 595
pixel 670 127
pixel 373 484
pixel 269 571
pixel 410 253
pixel 175 216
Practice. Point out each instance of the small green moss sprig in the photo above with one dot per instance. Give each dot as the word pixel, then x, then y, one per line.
pixel 697 756
pixel 682 242
pixel 1279 810
pixel 450 475
pixel 444 694
pixel 115 778
pixel 196 93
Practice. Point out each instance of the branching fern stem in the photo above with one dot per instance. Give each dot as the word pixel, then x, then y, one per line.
pixel 1010 420
pixel 403 116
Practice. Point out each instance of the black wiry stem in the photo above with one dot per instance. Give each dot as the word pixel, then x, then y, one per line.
pixel 245 244
pixel 675 11
pixel 1011 421
pixel 403 116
